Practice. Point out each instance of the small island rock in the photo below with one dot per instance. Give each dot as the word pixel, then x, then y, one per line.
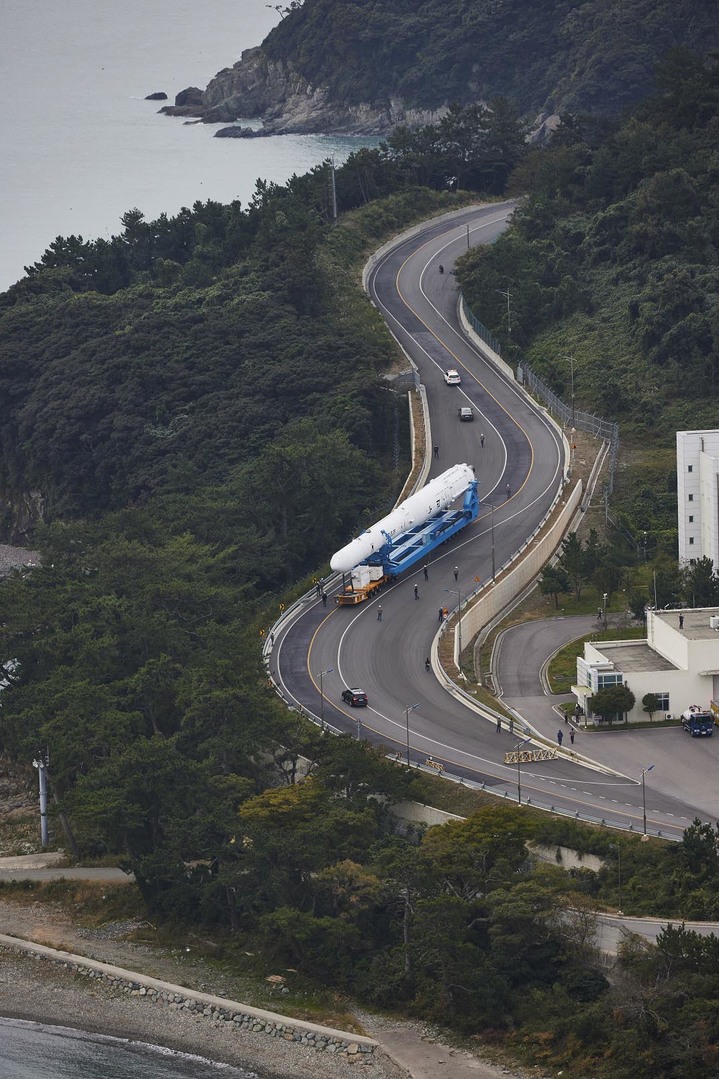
pixel 159 95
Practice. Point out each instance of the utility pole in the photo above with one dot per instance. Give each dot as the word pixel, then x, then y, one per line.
pixel 458 594
pixel 334 189
pixel 508 297
pixel 322 698
pixel 408 709
pixel 571 366
pixel 644 797
pixel 41 764
pixel 517 750
pixel 618 849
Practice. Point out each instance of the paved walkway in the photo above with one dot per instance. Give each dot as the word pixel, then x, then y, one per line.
pixel 46 866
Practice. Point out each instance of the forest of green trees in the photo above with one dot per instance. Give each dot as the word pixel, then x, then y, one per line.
pixel 164 391
pixel 614 262
pixel 552 55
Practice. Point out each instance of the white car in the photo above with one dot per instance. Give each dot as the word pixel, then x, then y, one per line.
pixel 451 377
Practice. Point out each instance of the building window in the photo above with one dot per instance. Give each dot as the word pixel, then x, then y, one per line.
pixel 690 498
pixel 690 468
pixel 662 702
pixel 691 520
pixel 691 540
pixel 604 680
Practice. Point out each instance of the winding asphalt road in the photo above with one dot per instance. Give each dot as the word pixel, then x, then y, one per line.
pixel 410 712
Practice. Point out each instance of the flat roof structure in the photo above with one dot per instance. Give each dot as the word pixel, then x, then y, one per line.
pixel 695 622
pixel 629 656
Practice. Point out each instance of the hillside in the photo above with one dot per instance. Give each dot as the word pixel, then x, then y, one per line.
pixel 359 65
pixel 614 261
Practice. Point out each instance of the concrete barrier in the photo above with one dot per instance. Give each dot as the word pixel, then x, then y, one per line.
pixel 234 1015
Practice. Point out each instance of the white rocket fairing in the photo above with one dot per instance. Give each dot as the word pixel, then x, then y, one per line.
pixel 436 496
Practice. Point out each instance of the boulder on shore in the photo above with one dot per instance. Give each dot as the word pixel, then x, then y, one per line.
pixel 159 95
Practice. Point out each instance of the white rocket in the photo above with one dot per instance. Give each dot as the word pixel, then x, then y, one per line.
pixel 436 496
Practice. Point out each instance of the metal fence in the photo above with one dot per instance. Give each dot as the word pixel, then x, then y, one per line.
pixel 562 412
pixel 481 330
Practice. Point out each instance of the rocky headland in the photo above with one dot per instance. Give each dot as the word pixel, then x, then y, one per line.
pixel 257 87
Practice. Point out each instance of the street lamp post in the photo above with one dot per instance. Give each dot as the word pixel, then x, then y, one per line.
pixel 408 709
pixel 517 748
pixel 322 697
pixel 618 849
pixel 571 367
pixel 644 797
pixel 604 609
pixel 458 594
pixel 508 296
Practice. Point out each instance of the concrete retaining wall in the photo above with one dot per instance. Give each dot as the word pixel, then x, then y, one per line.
pixel 494 598
pixel 175 997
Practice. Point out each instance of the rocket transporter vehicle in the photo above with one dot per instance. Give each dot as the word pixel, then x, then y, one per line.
pixel 408 534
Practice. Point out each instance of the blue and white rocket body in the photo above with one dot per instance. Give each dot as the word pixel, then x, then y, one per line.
pixel 435 497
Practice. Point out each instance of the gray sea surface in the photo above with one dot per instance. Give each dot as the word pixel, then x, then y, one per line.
pixel 81 146
pixel 35 1051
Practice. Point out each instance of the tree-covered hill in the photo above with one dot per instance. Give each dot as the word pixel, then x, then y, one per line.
pixel 552 55
pixel 614 261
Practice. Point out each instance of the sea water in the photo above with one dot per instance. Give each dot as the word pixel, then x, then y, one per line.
pixel 81 146
pixel 35 1051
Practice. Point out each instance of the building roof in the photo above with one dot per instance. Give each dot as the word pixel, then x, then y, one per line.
pixel 628 656
pixel 696 622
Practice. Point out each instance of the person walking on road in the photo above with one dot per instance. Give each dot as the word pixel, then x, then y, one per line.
pixel 681 621
pixel 425 569
pixel 571 736
pixel 456 572
pixel 324 599
pixel 441 615
pixel 560 736
pixel 509 490
pixel 499 726
pixel 481 440
pixel 436 451
pixel 428 665
pixel 416 591
pixel 379 613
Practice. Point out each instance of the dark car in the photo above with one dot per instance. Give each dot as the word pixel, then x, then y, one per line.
pixel 356 697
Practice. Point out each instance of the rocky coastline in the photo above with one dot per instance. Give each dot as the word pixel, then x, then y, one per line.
pixel 257 88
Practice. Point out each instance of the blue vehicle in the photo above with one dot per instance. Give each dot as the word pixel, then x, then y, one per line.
pixel 699 723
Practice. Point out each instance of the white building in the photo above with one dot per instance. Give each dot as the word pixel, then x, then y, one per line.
pixel 678 662
pixel 698 495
